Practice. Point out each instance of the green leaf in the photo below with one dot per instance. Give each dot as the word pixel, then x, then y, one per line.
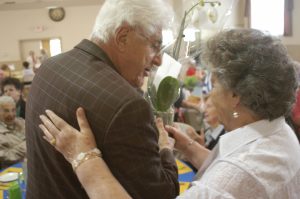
pixel 167 93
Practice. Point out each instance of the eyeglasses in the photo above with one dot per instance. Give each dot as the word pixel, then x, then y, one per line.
pixel 156 46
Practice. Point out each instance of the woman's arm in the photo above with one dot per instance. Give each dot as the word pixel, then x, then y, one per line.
pixel 98 181
pixel 93 172
pixel 191 149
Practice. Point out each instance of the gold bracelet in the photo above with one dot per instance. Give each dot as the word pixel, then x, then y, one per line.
pixel 84 156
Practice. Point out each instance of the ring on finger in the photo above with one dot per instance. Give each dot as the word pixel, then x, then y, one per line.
pixel 53 141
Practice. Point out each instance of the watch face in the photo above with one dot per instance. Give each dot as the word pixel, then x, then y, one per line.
pixel 57 14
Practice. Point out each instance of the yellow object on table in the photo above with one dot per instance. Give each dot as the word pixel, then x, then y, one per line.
pixel 185 175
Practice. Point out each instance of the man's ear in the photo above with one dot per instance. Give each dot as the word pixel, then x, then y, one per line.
pixel 121 38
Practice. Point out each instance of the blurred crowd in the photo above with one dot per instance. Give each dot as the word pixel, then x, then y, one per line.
pixel 13 93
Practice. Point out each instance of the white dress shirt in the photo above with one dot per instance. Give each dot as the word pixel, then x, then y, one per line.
pixel 259 160
pixel 28 75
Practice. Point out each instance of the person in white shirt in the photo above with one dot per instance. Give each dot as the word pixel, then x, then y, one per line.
pixel 28 74
pixel 32 59
pixel 254 84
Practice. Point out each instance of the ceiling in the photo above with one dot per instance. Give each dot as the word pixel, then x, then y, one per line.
pixel 34 4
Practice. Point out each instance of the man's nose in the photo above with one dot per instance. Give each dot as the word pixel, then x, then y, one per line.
pixel 157 59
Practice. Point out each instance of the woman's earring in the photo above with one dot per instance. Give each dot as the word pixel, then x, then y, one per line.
pixel 235 114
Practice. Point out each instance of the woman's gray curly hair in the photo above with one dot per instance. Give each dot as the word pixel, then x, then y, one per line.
pixel 256 67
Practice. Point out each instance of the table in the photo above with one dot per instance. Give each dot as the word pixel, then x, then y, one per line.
pixel 186 175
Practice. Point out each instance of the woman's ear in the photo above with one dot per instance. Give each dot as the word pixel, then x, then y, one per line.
pixel 121 38
pixel 235 99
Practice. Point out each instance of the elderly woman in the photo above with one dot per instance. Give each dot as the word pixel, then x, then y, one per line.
pixel 254 86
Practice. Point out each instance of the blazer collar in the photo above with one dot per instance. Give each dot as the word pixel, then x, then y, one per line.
pixel 91 48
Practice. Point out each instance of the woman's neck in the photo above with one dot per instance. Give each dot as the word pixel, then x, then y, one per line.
pixel 244 119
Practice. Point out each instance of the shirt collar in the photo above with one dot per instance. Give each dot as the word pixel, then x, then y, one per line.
pixel 237 138
pixel 216 132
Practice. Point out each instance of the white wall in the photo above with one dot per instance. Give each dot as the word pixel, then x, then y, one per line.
pixel 20 25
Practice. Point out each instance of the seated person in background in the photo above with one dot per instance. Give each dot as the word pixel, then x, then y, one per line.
pixel 215 129
pixel 258 157
pixel 6 70
pixel 13 87
pixel 12 133
pixel 211 135
pixel 28 73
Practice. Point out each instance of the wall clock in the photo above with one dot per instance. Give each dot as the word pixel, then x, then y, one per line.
pixel 57 14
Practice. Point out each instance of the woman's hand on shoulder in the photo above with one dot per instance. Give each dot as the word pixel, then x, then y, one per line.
pixel 64 137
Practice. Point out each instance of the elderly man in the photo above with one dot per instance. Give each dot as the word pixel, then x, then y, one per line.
pixel 12 133
pixel 102 75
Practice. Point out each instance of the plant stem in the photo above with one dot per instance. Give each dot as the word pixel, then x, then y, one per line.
pixel 177 45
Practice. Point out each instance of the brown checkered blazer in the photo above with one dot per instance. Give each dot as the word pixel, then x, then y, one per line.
pixel 119 117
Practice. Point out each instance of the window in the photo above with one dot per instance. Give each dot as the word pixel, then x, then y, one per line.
pixel 55 46
pixel 268 15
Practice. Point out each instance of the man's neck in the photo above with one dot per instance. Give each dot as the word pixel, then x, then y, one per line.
pixel 108 48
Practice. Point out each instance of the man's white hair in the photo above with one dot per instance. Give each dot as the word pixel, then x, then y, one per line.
pixel 150 15
pixel 6 99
